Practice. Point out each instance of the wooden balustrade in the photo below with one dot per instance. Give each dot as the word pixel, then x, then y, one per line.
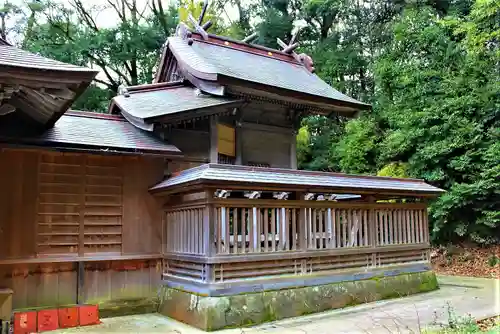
pixel 222 240
pixel 255 226
pixel 184 230
pixel 401 226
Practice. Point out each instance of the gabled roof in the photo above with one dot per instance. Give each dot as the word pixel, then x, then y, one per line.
pixel 146 104
pixel 234 176
pixel 209 60
pixel 219 65
pixel 14 57
pixel 39 88
pixel 89 131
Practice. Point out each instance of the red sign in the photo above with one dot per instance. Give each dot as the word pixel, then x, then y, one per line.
pixel 89 315
pixel 48 320
pixel 68 317
pixel 25 322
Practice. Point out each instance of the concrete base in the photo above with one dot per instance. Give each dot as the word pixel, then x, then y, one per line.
pixel 212 313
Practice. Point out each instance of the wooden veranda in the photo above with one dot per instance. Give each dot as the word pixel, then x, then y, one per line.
pixel 225 236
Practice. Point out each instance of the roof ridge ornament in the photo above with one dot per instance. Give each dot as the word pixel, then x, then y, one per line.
pixel 302 58
pixel 184 32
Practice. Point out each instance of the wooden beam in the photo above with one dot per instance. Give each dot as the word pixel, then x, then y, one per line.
pixel 214 152
pixel 197 27
pixel 203 11
pixel 293 150
pixel 239 144
pixel 250 38
pixel 290 48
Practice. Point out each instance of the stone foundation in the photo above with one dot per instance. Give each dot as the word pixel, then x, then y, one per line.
pixel 224 311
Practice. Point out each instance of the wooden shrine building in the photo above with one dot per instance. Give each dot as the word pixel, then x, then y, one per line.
pixel 186 199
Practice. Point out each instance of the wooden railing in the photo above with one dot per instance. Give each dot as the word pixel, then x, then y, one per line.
pixel 215 240
pixel 184 230
pixel 258 227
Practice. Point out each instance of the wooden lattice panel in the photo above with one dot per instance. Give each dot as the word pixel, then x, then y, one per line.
pixel 401 226
pixel 184 229
pixel 79 204
pixel 103 204
pixel 185 270
pixel 59 189
pixel 240 270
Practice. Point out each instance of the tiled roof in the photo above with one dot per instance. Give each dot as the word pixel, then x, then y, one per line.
pixel 12 56
pixel 297 179
pixel 212 60
pixel 166 102
pixel 100 132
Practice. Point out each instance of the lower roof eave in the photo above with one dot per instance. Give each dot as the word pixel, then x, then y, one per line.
pixel 231 177
pixel 234 185
pixel 61 147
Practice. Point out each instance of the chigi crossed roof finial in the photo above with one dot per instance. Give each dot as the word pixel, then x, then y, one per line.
pixel 290 49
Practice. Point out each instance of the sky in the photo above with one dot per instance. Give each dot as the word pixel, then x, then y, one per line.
pixel 107 17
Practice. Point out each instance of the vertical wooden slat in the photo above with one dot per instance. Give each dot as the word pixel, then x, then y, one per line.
pixel 294 229
pixel 365 228
pixel 302 229
pixel 259 229
pixel 173 228
pixel 320 228
pixel 273 230
pixel 421 227
pixel 386 227
pixel 400 226
pixel 309 228
pixel 251 233
pixel 191 231
pixel 227 239
pixel 243 230
pixel 390 223
pixel 218 225
pixel 329 229
pixel 408 227
pixel 200 227
pixel 191 234
pixel 179 231
pixel 235 230
pixel 403 222
pixel 266 229
pixel 186 231
pixel 426 225
pixel 338 228
pixel 412 226
pixel 344 228
pixel 315 228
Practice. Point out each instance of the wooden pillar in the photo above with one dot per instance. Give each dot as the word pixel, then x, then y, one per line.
pixel 209 226
pixel 239 144
pixel 214 152
pixel 372 229
pixel 293 150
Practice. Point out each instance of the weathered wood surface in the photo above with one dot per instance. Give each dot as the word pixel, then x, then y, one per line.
pixel 61 205
pixel 50 285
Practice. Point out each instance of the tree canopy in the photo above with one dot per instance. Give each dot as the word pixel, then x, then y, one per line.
pixel 430 69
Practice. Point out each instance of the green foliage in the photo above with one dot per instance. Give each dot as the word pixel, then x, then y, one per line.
pixel 356 150
pixel 494 261
pixel 394 169
pixel 314 143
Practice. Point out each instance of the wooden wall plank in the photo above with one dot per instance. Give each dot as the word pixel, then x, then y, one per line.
pixel 141 222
